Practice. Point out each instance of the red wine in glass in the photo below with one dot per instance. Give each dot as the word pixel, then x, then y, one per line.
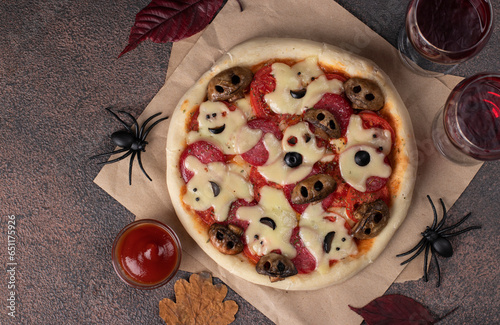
pixel 442 33
pixel 472 116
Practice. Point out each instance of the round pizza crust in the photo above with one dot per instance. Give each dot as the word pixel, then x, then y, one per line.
pixel 402 180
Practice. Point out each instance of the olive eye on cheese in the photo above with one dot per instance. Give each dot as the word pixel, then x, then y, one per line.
pixel 293 159
pixel 325 124
pixel 224 239
pixel 361 162
pixel 229 85
pixel 276 266
pixel 313 188
pixel 373 217
pixel 362 158
pixel 364 94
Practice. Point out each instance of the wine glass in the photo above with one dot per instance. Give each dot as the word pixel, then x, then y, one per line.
pixel 440 34
pixel 467 129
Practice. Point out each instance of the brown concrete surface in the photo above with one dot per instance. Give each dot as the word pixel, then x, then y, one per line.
pixel 58 70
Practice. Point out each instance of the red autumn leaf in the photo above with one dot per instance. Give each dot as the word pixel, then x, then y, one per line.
pixel 395 309
pixel 163 21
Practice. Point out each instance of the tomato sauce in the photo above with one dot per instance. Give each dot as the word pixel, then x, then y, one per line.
pixel 148 253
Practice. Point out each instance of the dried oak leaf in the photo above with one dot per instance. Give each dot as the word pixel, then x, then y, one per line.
pixel 163 21
pixel 198 302
pixel 395 310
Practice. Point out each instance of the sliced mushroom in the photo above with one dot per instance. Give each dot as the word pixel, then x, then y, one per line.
pixel 277 266
pixel 225 240
pixel 325 124
pixel 237 230
pixel 373 217
pixel 313 188
pixel 364 94
pixel 229 84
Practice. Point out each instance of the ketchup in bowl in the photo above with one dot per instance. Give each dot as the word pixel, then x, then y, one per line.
pixel 146 254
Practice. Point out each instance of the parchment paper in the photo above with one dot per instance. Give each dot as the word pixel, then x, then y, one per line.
pixel 328 22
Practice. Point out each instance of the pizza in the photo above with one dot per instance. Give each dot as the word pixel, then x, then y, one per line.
pixel 291 163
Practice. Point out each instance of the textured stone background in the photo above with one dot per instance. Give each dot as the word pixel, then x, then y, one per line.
pixel 58 70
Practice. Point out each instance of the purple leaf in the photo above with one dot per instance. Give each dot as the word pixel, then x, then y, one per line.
pixel 395 309
pixel 164 21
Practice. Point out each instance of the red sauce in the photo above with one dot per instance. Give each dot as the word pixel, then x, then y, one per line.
pixel 147 253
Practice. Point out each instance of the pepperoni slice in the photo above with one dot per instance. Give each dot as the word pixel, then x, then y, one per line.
pixel 262 84
pixel 233 219
pixel 204 151
pixel 339 107
pixel 355 198
pixel 259 155
pixel 331 76
pixel 373 120
pixel 304 261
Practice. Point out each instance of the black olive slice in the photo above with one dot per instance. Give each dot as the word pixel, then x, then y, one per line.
pixel 362 158
pixel 215 188
pixel 217 130
pixel 268 222
pixel 327 242
pixel 293 159
pixel 297 94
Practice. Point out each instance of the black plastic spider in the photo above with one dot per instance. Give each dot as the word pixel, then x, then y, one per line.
pixel 435 239
pixel 132 143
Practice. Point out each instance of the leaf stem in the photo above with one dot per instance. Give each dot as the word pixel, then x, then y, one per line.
pixel 446 315
pixel 241 5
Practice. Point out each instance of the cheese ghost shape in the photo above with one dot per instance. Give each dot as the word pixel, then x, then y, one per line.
pixel 224 127
pixel 214 185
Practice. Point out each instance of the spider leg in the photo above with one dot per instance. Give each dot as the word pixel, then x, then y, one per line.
pixel 441 223
pixel 143 126
pixel 152 126
pixel 434 211
pixel 420 243
pixel 108 153
pixel 135 123
pixel 117 159
pixel 455 225
pixel 118 118
pixel 426 257
pixel 437 267
pixel 460 232
pixel 130 168
pixel 140 165
pixel 414 255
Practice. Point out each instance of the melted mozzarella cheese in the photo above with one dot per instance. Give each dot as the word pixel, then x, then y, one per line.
pixel 376 137
pixel 202 193
pixel 225 128
pixel 276 170
pixel 314 227
pixel 301 75
pixel 356 175
pixel 263 239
